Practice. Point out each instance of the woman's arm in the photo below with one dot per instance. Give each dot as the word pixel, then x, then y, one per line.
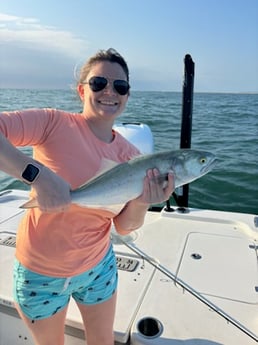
pixel 53 193
pixel 12 160
pixel 132 215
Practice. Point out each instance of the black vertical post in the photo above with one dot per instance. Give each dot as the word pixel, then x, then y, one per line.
pixel 186 124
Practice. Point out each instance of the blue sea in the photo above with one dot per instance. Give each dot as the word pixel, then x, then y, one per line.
pixel 225 124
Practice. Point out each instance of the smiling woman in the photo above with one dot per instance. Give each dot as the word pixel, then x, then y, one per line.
pixel 83 234
pixel 106 75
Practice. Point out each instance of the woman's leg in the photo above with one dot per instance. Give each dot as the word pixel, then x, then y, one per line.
pixel 98 321
pixel 46 331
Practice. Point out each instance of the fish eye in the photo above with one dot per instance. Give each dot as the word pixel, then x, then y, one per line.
pixel 203 160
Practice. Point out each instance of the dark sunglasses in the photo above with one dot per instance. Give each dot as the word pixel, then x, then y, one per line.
pixel 99 83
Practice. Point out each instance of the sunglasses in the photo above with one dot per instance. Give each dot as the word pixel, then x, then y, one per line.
pixel 99 83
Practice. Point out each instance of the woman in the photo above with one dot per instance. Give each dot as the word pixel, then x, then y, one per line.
pixel 64 249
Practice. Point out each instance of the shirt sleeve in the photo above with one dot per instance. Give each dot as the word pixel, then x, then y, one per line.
pixel 28 127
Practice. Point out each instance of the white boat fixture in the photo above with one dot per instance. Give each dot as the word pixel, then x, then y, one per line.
pixel 184 278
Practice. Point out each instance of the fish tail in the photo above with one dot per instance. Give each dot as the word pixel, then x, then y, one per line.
pixel 30 204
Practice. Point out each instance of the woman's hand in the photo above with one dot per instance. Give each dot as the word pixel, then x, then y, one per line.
pixel 154 191
pixel 52 192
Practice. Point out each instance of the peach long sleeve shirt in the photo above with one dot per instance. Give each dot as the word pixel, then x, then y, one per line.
pixel 66 243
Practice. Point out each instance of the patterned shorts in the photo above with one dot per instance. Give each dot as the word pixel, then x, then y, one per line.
pixel 41 296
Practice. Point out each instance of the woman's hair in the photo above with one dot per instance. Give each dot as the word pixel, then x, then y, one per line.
pixel 110 55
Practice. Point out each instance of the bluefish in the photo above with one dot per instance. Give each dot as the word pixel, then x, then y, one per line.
pixel 124 181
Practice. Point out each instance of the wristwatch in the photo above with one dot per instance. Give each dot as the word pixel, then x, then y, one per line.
pixel 31 173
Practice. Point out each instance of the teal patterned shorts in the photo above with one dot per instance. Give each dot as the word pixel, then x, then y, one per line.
pixel 41 296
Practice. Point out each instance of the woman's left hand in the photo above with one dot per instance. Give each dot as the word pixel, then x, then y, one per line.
pixel 154 191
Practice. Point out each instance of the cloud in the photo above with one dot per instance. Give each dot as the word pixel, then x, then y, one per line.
pixel 29 31
pixel 30 49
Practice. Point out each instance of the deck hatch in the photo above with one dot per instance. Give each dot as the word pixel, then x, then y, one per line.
pixel 227 262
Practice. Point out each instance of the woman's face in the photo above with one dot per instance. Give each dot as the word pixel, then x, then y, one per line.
pixel 106 103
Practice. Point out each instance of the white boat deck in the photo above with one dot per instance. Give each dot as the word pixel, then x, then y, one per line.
pixel 213 253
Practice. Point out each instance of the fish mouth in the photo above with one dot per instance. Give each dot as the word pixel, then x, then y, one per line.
pixel 209 166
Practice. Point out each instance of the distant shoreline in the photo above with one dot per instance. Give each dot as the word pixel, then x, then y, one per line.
pixel 132 90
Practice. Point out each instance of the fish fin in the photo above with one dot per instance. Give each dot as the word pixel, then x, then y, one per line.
pixel 105 166
pixel 30 204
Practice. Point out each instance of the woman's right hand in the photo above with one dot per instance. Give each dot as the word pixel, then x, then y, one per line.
pixel 52 191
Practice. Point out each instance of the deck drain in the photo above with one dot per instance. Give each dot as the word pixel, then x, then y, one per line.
pixel 126 264
pixel 9 241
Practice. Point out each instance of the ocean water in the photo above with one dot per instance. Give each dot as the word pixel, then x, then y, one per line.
pixel 225 124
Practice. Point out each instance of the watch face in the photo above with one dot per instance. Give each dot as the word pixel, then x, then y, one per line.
pixel 30 173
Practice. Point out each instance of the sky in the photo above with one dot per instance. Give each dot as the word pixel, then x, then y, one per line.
pixel 44 43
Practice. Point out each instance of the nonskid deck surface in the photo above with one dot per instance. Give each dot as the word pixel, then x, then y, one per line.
pixel 214 253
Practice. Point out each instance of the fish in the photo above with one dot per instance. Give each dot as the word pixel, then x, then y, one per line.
pixel 124 181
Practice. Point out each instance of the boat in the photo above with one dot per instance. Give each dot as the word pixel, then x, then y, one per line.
pixel 187 276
